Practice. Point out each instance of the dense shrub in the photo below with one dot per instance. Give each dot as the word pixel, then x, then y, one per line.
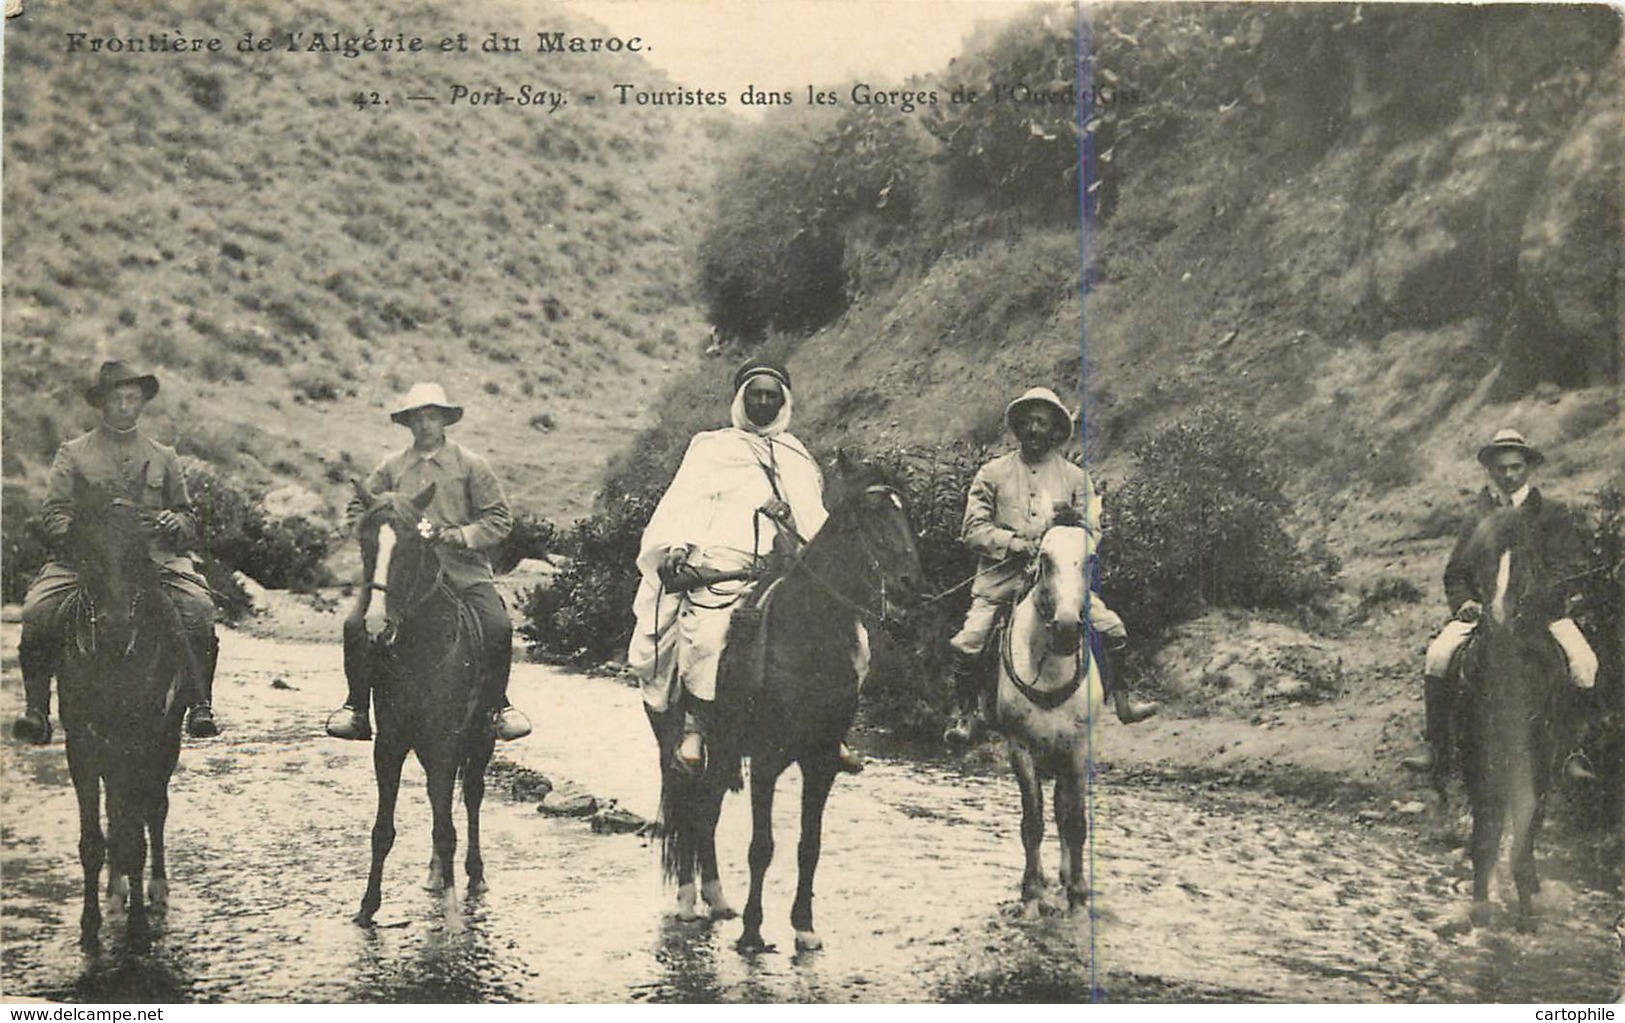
pixel 25 547
pixel 585 612
pixel 234 534
pixel 531 537
pixel 773 257
pixel 1201 522
pixel 1602 617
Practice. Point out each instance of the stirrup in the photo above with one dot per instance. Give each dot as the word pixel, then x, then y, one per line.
pixel 349 723
pixel 848 760
pixel 1577 767
pixel 510 723
pixel 32 726
pixel 200 723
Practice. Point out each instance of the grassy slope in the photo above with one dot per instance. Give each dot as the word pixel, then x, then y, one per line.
pixel 289 263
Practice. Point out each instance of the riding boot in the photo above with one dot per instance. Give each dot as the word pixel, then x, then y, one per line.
pixel 507 721
pixel 39 652
pixel 351 721
pixel 200 723
pixel 1577 725
pixel 1113 663
pixel 966 719
pixel 1434 756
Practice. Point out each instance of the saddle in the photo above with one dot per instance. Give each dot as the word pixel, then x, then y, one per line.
pixel 745 655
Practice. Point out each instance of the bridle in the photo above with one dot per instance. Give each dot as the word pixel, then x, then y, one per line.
pixel 800 564
pixel 1044 699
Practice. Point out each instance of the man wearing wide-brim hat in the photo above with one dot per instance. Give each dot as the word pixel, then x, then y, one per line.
pixel 469 515
pixel 1510 460
pixel 119 455
pixel 1012 501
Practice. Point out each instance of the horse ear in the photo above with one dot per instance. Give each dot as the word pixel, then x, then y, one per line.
pixel 425 495
pixel 361 492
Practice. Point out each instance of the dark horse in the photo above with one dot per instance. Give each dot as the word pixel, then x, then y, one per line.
pixel 1513 684
pixel 787 688
pixel 424 667
pixel 125 674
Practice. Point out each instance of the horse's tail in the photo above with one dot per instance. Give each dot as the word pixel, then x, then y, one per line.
pixel 669 825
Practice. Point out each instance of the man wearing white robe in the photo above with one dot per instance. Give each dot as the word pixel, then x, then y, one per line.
pixel 740 493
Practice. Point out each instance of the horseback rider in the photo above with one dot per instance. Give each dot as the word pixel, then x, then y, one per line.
pixel 468 515
pixel 1012 501
pixel 117 454
pixel 744 499
pixel 1510 461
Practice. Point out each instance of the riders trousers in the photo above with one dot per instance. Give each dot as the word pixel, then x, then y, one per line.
pixel 39 650
pixel 984 612
pixel 1582 660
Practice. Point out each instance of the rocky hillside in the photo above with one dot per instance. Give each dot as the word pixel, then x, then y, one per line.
pixel 289 261
pixel 1379 231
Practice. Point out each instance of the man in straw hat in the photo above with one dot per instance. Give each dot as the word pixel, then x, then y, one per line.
pixel 743 495
pixel 117 454
pixel 469 515
pixel 1012 501
pixel 1510 461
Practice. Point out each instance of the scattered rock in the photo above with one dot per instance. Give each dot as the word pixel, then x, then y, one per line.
pixel 1412 809
pixel 281 683
pixel 558 805
pixel 1370 816
pixel 612 820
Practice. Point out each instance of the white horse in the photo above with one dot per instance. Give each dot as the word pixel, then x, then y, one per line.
pixel 1049 698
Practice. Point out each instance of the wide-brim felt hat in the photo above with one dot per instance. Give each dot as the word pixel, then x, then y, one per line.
pixel 114 373
pixel 1039 396
pixel 426 395
pixel 761 367
pixel 1509 440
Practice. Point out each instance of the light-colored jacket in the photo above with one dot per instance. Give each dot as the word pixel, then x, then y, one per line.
pixel 1010 497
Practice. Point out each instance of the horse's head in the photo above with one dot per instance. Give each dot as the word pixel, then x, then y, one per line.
pixel 108 545
pixel 867 507
pixel 395 544
pixel 1061 583
pixel 1507 568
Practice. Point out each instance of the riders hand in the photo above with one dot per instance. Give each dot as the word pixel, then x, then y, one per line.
pixel 776 509
pixel 1469 611
pixel 451 536
pixel 167 521
pixel 672 564
pixel 1021 547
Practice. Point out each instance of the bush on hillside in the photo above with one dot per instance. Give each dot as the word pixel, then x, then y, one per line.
pixel 585 613
pixel 1602 618
pixel 25 546
pixel 1201 522
pixel 235 534
pixel 773 257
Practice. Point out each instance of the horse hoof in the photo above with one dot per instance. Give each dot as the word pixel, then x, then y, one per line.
pixel 711 892
pixel 1032 910
pixel 687 908
pixel 807 941
pixel 753 943
pixel 477 886
pixel 1480 914
pixel 158 895
pixel 365 918
pixel 1525 923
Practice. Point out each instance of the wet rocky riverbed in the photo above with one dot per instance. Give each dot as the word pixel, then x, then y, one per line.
pixel 1201 891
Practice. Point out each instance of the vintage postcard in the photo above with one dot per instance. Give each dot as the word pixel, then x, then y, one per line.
pixel 812 501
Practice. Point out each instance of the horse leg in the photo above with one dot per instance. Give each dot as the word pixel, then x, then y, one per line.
pixel 473 795
pixel 442 787
pixel 817 776
pixel 1072 822
pixel 158 890
pixel 1524 811
pixel 387 760
pixel 1485 847
pixel 127 828
pixel 87 786
pixel 706 852
pixel 1032 829
pixel 686 825
pixel 764 778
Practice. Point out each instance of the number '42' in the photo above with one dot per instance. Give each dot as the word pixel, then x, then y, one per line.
pixel 363 100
